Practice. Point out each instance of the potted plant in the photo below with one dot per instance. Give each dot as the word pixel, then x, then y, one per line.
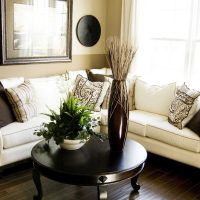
pixel 72 126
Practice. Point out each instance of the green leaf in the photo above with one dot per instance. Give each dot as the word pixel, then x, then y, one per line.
pixel 74 121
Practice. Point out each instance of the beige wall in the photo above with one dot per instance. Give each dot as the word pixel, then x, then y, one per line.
pixel 39 70
pixel 113 19
pixel 108 13
pixel 98 8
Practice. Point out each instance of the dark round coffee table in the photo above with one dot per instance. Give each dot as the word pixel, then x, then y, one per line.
pixel 94 164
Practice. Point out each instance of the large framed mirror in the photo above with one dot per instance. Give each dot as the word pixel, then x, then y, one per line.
pixel 34 31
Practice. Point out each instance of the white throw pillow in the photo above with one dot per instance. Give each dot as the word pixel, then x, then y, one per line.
pixel 50 91
pixel 154 98
pixel 12 82
pixel 73 74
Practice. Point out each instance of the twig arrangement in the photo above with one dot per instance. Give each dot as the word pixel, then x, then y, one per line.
pixel 119 56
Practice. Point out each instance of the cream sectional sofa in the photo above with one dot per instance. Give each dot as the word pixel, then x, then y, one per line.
pixel 150 129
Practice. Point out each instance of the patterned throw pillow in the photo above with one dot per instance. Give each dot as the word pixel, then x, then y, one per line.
pixel 183 107
pixel 90 93
pixel 23 101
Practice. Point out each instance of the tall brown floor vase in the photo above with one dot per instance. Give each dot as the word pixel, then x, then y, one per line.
pixel 118 114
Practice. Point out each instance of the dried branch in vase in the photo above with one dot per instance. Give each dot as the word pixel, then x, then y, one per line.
pixel 119 56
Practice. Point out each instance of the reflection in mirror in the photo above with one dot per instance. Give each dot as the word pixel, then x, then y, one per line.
pixel 36 30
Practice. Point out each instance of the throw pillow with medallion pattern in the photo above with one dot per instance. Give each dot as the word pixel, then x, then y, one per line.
pixel 90 93
pixel 183 107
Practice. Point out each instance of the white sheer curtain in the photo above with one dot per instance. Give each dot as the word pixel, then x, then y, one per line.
pixel 168 40
pixel 128 23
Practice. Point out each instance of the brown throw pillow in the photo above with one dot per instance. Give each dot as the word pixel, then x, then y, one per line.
pixel 96 77
pixel 101 78
pixel 194 123
pixel 6 113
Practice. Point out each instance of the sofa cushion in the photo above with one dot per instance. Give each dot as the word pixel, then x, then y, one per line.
pixel 183 107
pixel 90 93
pixel 154 98
pixel 50 91
pixel 164 132
pixel 104 117
pixel 138 120
pixel 6 113
pixel 23 101
pixel 17 133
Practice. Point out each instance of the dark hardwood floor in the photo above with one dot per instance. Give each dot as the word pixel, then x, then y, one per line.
pixel 162 179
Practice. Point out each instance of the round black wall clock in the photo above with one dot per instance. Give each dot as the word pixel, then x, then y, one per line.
pixel 88 30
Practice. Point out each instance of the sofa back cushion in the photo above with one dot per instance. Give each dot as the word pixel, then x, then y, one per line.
pixel 50 91
pixel 6 113
pixel 12 82
pixel 73 74
pixel 154 98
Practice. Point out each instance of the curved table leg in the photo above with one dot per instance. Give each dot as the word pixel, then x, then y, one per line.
pixel 36 179
pixel 102 194
pixel 134 184
pixel 1 172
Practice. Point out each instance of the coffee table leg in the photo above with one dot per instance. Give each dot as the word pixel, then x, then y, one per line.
pixel 37 181
pixel 134 183
pixel 1 172
pixel 102 193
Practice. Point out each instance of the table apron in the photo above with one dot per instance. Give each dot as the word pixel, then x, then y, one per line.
pixel 84 180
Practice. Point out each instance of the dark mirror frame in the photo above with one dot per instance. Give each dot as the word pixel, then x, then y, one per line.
pixel 5 60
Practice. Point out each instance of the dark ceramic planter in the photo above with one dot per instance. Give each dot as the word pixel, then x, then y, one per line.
pixel 118 114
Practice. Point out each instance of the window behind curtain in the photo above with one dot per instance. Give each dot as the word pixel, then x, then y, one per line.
pixel 168 40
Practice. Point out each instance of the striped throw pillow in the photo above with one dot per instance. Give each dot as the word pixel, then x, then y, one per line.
pixel 23 101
